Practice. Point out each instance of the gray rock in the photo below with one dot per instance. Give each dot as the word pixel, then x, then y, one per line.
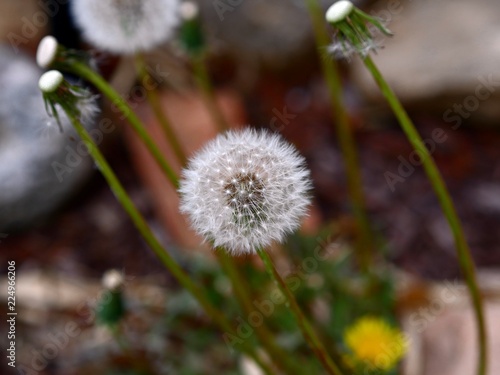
pixel 32 183
pixel 260 32
pixel 442 335
pixel 442 51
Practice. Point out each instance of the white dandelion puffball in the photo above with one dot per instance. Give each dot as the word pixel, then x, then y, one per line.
pixel 126 26
pixel 245 189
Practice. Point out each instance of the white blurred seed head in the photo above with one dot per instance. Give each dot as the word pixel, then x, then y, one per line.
pixel 50 81
pixel 355 30
pixel 189 10
pixel 126 26
pixel 245 189
pixel 79 99
pixel 113 280
pixel 47 51
pixel 249 367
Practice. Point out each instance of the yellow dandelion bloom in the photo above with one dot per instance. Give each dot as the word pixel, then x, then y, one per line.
pixel 373 343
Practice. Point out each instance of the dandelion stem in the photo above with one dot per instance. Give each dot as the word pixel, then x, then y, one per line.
pixel 203 80
pixel 182 277
pixel 241 292
pixel 159 112
pixel 119 339
pixel 347 145
pixel 87 73
pixel 125 347
pixel 305 326
pixel 463 251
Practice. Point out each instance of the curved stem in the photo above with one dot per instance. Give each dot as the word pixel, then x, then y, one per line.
pixel 365 244
pixel 159 112
pixel 436 180
pixel 305 326
pixel 87 73
pixel 241 292
pixel 203 81
pixel 182 277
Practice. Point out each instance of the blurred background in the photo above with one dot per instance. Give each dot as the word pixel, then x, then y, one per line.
pixel 65 233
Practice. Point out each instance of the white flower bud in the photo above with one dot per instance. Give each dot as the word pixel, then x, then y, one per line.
pixel 188 10
pixel 50 81
pixel 46 52
pixel 113 280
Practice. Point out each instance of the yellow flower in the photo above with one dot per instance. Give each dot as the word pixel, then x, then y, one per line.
pixel 375 344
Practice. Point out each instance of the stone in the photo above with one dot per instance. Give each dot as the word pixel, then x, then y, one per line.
pixel 39 165
pixel 441 53
pixel 256 33
pixel 442 333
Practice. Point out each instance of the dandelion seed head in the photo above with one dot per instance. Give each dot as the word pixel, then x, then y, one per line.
pixel 244 206
pixel 58 94
pixel 188 10
pixel 113 279
pixel 126 26
pixel 355 31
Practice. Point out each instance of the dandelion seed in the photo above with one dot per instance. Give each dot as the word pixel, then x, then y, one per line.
pixel 126 26
pixel 250 209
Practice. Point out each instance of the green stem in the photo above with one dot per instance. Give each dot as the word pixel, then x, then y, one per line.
pixel 159 112
pixel 117 335
pixel 203 80
pixel 347 145
pixel 141 224
pixel 241 292
pixel 87 73
pixel 125 348
pixel 463 251
pixel 305 326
